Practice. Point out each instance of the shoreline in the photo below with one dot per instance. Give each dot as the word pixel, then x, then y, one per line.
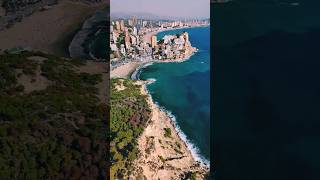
pixel 76 46
pixel 148 35
pixel 163 148
pixel 191 147
pixel 131 69
pixel 136 72
pixel 133 72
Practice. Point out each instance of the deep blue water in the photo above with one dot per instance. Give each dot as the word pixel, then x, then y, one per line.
pixel 99 44
pixel 184 89
pixel 267 95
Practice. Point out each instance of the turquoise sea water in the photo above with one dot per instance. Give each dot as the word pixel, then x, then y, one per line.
pixel 183 89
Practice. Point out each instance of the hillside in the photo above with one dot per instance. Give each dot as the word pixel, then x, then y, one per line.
pixel 129 114
pixel 53 115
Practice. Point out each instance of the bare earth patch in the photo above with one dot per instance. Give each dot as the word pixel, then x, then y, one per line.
pixel 124 70
pixel 35 82
pixel 93 67
pixel 120 86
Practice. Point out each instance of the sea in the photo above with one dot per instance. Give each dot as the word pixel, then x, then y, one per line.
pixel 183 91
pixel 97 43
pixel 267 95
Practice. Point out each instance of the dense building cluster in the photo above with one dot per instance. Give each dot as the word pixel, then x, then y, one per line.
pixel 129 40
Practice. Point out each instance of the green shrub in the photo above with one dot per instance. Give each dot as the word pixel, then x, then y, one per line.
pixel 167 132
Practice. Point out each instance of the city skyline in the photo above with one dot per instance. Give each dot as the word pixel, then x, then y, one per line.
pixel 165 8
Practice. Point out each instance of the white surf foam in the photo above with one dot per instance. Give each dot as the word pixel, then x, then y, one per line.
pixel 151 80
pixel 191 146
pixel 136 74
pixel 195 152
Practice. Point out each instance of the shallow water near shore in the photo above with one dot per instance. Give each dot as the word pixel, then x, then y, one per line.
pixel 183 89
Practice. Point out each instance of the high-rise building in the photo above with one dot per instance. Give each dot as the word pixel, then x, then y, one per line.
pixel 133 40
pixel 118 26
pixel 127 37
pixel 144 23
pixel 186 36
pixel 115 36
pixel 128 45
pixel 130 22
pixel 134 21
pixel 153 41
pixel 122 25
pixel 135 31
pixel 122 49
pixel 111 28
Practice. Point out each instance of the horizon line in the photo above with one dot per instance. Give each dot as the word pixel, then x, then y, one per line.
pixel 168 17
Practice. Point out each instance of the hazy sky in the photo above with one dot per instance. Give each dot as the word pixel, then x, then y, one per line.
pixel 176 8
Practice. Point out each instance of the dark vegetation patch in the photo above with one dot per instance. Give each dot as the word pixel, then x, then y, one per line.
pixel 56 133
pixel 129 116
pixel 167 132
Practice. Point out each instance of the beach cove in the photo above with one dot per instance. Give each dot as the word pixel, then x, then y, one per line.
pixel 161 118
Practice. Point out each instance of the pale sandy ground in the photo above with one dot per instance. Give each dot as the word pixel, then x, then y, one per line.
pixel 125 70
pixel 50 31
pixel 154 148
pixel 35 83
pixel 93 67
pixel 39 82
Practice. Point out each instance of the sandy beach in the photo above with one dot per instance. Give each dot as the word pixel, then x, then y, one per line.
pixel 50 31
pixel 124 71
pixel 162 156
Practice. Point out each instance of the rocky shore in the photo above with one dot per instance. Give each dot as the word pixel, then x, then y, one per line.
pixel 163 154
pixel 78 47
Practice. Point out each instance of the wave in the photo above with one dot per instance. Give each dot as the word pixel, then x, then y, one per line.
pixel 136 74
pixel 151 80
pixel 195 152
pixel 191 146
pixel 77 48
